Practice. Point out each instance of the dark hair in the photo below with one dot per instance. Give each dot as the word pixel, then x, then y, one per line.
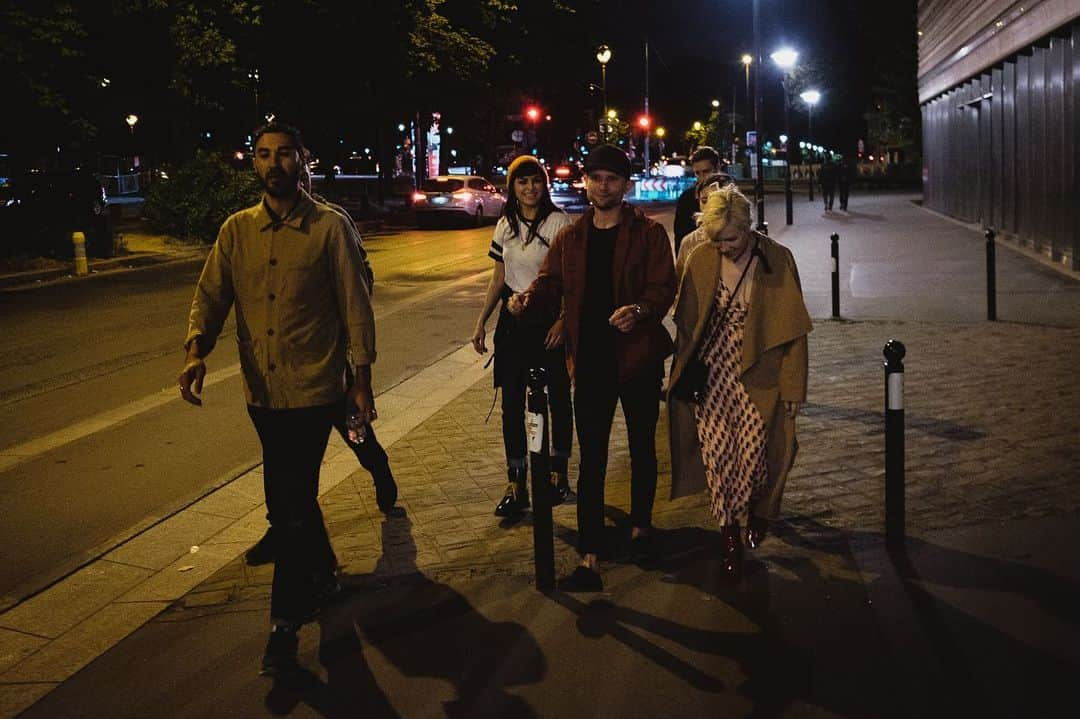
pixel 705 153
pixel 280 127
pixel 512 210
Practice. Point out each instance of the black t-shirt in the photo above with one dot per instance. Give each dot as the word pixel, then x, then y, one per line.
pixel 597 345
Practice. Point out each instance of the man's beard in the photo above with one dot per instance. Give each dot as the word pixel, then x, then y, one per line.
pixel 610 204
pixel 285 185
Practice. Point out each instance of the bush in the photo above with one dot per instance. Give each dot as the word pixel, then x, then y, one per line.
pixel 198 196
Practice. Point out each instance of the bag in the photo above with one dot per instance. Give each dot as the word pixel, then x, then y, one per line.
pixel 691 384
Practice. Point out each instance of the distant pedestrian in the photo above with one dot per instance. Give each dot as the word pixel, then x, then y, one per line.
pixel 845 178
pixel 739 374
pixel 612 271
pixel 827 178
pixel 704 188
pixel 522 239
pixel 705 162
pixel 292 268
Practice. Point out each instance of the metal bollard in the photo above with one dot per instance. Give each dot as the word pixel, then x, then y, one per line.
pixel 536 422
pixel 894 442
pixel 763 228
pixel 81 267
pixel 835 249
pixel 991 276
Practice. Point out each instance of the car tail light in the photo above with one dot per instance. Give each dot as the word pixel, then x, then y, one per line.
pixel 562 172
pixel 419 197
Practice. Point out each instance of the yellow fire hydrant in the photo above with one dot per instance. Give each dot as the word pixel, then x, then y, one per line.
pixel 81 267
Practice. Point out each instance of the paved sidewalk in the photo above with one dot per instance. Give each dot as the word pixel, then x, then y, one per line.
pixel 976 618
pixel 442 618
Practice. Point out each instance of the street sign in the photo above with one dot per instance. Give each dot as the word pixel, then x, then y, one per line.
pixel 751 138
pixel 517 135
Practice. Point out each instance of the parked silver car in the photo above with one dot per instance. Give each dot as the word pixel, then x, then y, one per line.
pixel 464 196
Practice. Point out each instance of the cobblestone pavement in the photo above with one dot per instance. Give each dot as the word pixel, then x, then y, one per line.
pixel 992 432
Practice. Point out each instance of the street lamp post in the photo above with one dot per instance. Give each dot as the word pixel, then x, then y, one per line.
pixel 811 98
pixel 759 184
pixel 131 120
pixel 603 56
pixel 785 59
pixel 253 75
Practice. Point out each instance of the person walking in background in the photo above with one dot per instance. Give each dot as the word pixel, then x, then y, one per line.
pixel 827 178
pixel 292 268
pixel 739 374
pixel 612 271
pixel 845 178
pixel 705 162
pixel 704 188
pixel 522 239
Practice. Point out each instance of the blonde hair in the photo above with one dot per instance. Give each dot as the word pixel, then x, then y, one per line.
pixel 723 206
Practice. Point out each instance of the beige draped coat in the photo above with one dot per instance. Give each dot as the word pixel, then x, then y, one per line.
pixel 774 362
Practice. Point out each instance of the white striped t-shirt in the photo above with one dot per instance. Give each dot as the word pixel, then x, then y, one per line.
pixel 522 262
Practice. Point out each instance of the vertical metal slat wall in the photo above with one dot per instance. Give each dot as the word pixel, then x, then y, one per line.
pixel 1003 148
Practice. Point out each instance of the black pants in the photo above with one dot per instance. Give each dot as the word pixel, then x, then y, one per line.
pixel 293 442
pixel 844 191
pixel 517 350
pixel 827 196
pixel 595 395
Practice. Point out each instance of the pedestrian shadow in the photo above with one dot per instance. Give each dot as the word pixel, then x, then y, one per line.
pixel 424 629
pixel 876 421
pixel 846 216
pixel 983 664
pixel 790 660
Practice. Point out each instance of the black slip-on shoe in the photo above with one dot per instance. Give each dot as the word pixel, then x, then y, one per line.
pixel 582 579
pixel 280 655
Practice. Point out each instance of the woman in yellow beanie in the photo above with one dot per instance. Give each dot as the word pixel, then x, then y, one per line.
pixel 523 235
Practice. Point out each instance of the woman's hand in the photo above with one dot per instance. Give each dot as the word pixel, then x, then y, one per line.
pixel 555 336
pixel 478 336
pixel 516 303
pixel 792 408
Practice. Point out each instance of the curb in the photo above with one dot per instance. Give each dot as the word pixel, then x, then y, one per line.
pixel 39 278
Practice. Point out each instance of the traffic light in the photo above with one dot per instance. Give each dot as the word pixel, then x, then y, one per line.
pixel 532 112
pixel 644 122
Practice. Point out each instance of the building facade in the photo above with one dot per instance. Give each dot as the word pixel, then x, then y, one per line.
pixel 999 86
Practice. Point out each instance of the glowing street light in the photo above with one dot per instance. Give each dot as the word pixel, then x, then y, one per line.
pixel 785 58
pixel 811 98
pixel 603 56
pixel 697 124
pixel 660 132
pixel 131 120
pixel 612 115
pixel 716 103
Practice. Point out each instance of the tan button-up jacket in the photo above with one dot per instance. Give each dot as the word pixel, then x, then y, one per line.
pixel 301 300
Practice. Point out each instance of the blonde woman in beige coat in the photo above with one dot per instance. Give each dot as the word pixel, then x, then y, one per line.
pixel 739 374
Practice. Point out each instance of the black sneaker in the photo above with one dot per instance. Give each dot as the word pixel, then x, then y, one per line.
pixel 385 489
pixel 582 579
pixel 280 655
pixel 263 552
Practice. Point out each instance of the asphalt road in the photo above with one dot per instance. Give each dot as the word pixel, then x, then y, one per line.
pixel 96 445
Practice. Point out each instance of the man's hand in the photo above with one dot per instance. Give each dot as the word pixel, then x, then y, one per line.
pixel 624 319
pixel 191 380
pixel 555 336
pixel 516 303
pixel 792 408
pixel 361 395
pixel 478 336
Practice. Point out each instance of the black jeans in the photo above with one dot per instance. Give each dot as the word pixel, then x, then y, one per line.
pixel 293 442
pixel 519 348
pixel 595 395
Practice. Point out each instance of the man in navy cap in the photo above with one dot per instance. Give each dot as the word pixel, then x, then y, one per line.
pixel 613 271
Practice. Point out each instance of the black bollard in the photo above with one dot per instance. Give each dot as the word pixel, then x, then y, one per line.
pixel 835 242
pixel 810 174
pixel 763 228
pixel 991 277
pixel 536 422
pixel 894 443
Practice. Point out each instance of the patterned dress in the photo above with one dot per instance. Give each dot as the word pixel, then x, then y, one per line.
pixel 730 428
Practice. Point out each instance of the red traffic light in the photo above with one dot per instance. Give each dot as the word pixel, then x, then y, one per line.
pixel 532 112
pixel 644 122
